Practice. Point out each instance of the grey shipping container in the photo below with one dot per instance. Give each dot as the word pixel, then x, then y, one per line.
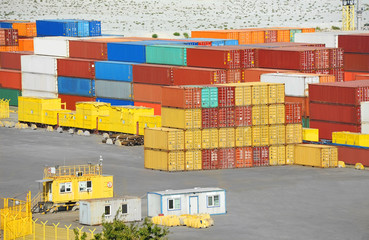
pixel 113 89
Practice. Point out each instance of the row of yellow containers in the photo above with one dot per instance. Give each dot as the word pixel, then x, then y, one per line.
pixel 300 154
pixel 4 108
pixel 192 118
pixel 351 138
pixel 255 93
pixel 194 221
pixel 212 138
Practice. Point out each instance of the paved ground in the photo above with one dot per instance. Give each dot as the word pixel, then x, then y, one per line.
pixel 288 202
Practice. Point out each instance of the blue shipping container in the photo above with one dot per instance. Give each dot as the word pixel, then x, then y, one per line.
pixel 230 42
pixel 76 86
pixel 95 28
pixel 115 102
pixel 83 28
pixel 66 28
pixel 6 25
pixel 116 71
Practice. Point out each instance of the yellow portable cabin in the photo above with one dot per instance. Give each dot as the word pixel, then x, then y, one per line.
pixel 67 119
pixel 69 184
pixel 87 114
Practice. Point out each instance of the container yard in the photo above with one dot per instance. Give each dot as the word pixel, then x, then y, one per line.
pixel 178 130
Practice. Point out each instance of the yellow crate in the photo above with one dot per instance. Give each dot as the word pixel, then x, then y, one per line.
pixel 226 137
pixel 193 139
pixel 277 134
pixel 277 155
pixel 4 108
pixel 164 160
pixel 293 133
pixel 164 138
pixel 52 116
pixel 339 137
pixel 148 122
pixel 310 134
pixel 316 155
pixel 210 138
pixel 67 119
pixel 277 114
pixel 290 154
pixel 193 160
pixel 181 118
pixel 243 136
pixel 31 109
pixel 87 114
pixel 260 136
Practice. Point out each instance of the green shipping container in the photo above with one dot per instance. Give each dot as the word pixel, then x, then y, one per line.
pixel 10 94
pixel 167 54
pixel 209 97
pixel 292 34
pixel 305 122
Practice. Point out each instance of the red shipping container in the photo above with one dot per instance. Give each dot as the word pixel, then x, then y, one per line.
pixel 247 55
pixel 326 128
pixel 244 157
pixel 226 96
pixel 293 112
pixel 226 117
pixel 8 37
pixel 74 67
pixel 352 76
pixel 304 101
pixel 338 74
pixel 356 62
pixel 147 93
pixel 355 43
pixel 198 76
pixel 270 36
pixel 335 113
pixel 152 74
pixel 213 57
pixel 209 117
pixel 181 97
pixel 71 100
pixel 362 76
pixel 243 116
pixel 12 60
pixel 260 156
pixel 233 76
pixel 352 155
pixel 226 158
pixel 253 74
pixel 209 159
pixel 10 79
pixel 155 106
pixel 336 58
pixel 347 93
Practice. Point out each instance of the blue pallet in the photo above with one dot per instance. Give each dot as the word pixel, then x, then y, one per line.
pixel 112 70
pixel 76 86
pixel 57 28
pixel 95 28
pixel 132 51
pixel 115 102
pixel 6 25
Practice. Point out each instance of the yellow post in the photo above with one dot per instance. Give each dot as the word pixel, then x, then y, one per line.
pixel 67 230
pixel 92 232
pixel 34 228
pixel 56 230
pixel 44 229
pixel 80 231
pixel 5 228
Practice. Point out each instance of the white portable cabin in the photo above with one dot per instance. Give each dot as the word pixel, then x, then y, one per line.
pixel 187 201
pixel 93 211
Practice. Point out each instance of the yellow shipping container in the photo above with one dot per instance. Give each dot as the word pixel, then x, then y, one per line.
pixel 276 93
pixel 290 154
pixel 243 136
pixel 277 155
pixel 339 137
pixel 164 160
pixel 193 160
pixel 293 133
pixel 277 114
pixel 243 94
pixel 356 139
pixel 88 112
pixel 260 136
pixel 52 116
pixel 105 124
pixel 277 134
pixel 310 134
pixel 152 121
pixel 181 118
pixel 164 138
pixel 226 137
pixel 260 115
pixel 316 155
pixel 260 93
pixel 193 139
pixel 32 109
pixel 210 138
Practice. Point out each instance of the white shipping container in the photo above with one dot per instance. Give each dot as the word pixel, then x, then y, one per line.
pixel 296 84
pixel 365 127
pixel 52 46
pixel 39 64
pixel 364 109
pixel 30 93
pixel 39 82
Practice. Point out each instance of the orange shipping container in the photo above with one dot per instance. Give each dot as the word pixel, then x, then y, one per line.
pixel 25 44
pixel 304 102
pixel 362 76
pixel 307 30
pixel 283 35
pixel 222 34
pixel 9 48
pixel 147 93
pixel 26 29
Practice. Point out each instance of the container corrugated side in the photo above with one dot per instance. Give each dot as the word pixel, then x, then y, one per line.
pixel 209 97
pixel 277 114
pixel 164 138
pixel 163 160
pixel 111 70
pixel 167 54
pixel 76 86
pixel 316 155
pixel 226 137
pixel 243 136
pixel 181 118
pixel 244 157
pixel 39 64
pixel 277 155
pixel 260 115
pixel 210 138
pixel 193 160
pixel 277 134
pixel 209 159
pixel 114 89
pixel 293 133
pixel 260 136
pixel 10 94
pixel 39 82
pixel 193 139
pixel 52 46
pixel 260 156
pixel 181 97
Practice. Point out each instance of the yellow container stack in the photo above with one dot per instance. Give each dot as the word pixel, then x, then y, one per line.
pixel 181 118
pixel 316 155
pixel 243 136
pixel 351 138
pixel 210 138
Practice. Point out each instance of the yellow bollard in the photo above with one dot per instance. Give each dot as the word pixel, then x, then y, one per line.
pixel 359 166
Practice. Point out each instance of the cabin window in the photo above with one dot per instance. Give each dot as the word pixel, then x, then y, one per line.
pixel 174 204
pixel 66 187
pixel 107 210
pixel 85 186
pixel 124 208
pixel 213 201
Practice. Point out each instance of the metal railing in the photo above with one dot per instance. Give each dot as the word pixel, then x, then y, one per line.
pixel 75 170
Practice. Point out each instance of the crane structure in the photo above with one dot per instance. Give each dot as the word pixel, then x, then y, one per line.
pixel 348 15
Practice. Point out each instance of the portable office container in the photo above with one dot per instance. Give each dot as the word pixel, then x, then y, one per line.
pixel 277 155
pixel 193 160
pixel 316 155
pixel 167 54
pixel 187 201
pixel 39 64
pixel 12 60
pixel 97 211
pixel 164 160
pixel 243 136
pixel 165 138
pixel 10 79
pixel 52 46
pixel 114 89
pixel 74 67
pixel 76 86
pixel 181 118
pixel 39 82
pixel 181 97
pixel 111 70
pixel 210 138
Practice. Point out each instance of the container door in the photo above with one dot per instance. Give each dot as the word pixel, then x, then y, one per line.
pixel 194 205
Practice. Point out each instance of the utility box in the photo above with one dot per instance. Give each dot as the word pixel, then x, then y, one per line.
pixel 187 201
pixel 95 211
